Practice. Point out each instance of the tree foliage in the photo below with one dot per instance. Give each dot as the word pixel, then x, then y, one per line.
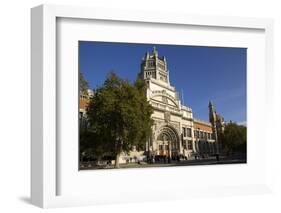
pixel 234 138
pixel 119 117
pixel 83 84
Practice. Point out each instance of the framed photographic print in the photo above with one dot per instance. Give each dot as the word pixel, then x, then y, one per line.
pixel 148 105
pixel 116 102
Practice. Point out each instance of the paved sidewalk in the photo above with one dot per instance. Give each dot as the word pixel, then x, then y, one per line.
pixel 173 163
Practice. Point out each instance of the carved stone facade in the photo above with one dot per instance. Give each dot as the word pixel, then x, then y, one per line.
pixel 175 131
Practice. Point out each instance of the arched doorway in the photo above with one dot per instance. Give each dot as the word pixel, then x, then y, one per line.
pixel 168 143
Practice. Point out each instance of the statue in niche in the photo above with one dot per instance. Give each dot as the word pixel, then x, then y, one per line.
pixel 164 99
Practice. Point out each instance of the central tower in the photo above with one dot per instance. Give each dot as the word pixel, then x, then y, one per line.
pixel 153 66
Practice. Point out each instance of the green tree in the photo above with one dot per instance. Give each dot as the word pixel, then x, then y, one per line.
pixel 83 84
pixel 234 138
pixel 119 117
pixel 92 146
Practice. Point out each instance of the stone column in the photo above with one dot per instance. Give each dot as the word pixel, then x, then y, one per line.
pixel 194 145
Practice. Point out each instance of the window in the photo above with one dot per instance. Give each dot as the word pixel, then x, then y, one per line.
pixel 189 145
pixel 183 132
pixel 151 63
pixel 188 132
pixel 184 144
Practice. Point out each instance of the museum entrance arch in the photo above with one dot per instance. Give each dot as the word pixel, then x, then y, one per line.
pixel 168 143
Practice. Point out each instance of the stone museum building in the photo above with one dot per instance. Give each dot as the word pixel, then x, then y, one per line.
pixel 175 131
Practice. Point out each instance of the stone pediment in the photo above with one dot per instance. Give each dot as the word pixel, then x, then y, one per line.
pixel 163 96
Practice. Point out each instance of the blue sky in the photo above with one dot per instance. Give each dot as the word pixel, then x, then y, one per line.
pixel 202 73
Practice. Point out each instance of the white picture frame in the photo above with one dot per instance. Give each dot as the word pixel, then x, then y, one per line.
pixel 44 148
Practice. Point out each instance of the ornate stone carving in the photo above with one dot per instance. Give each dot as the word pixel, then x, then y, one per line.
pixel 167 117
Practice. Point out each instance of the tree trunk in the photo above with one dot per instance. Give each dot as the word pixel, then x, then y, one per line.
pixel 117 161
